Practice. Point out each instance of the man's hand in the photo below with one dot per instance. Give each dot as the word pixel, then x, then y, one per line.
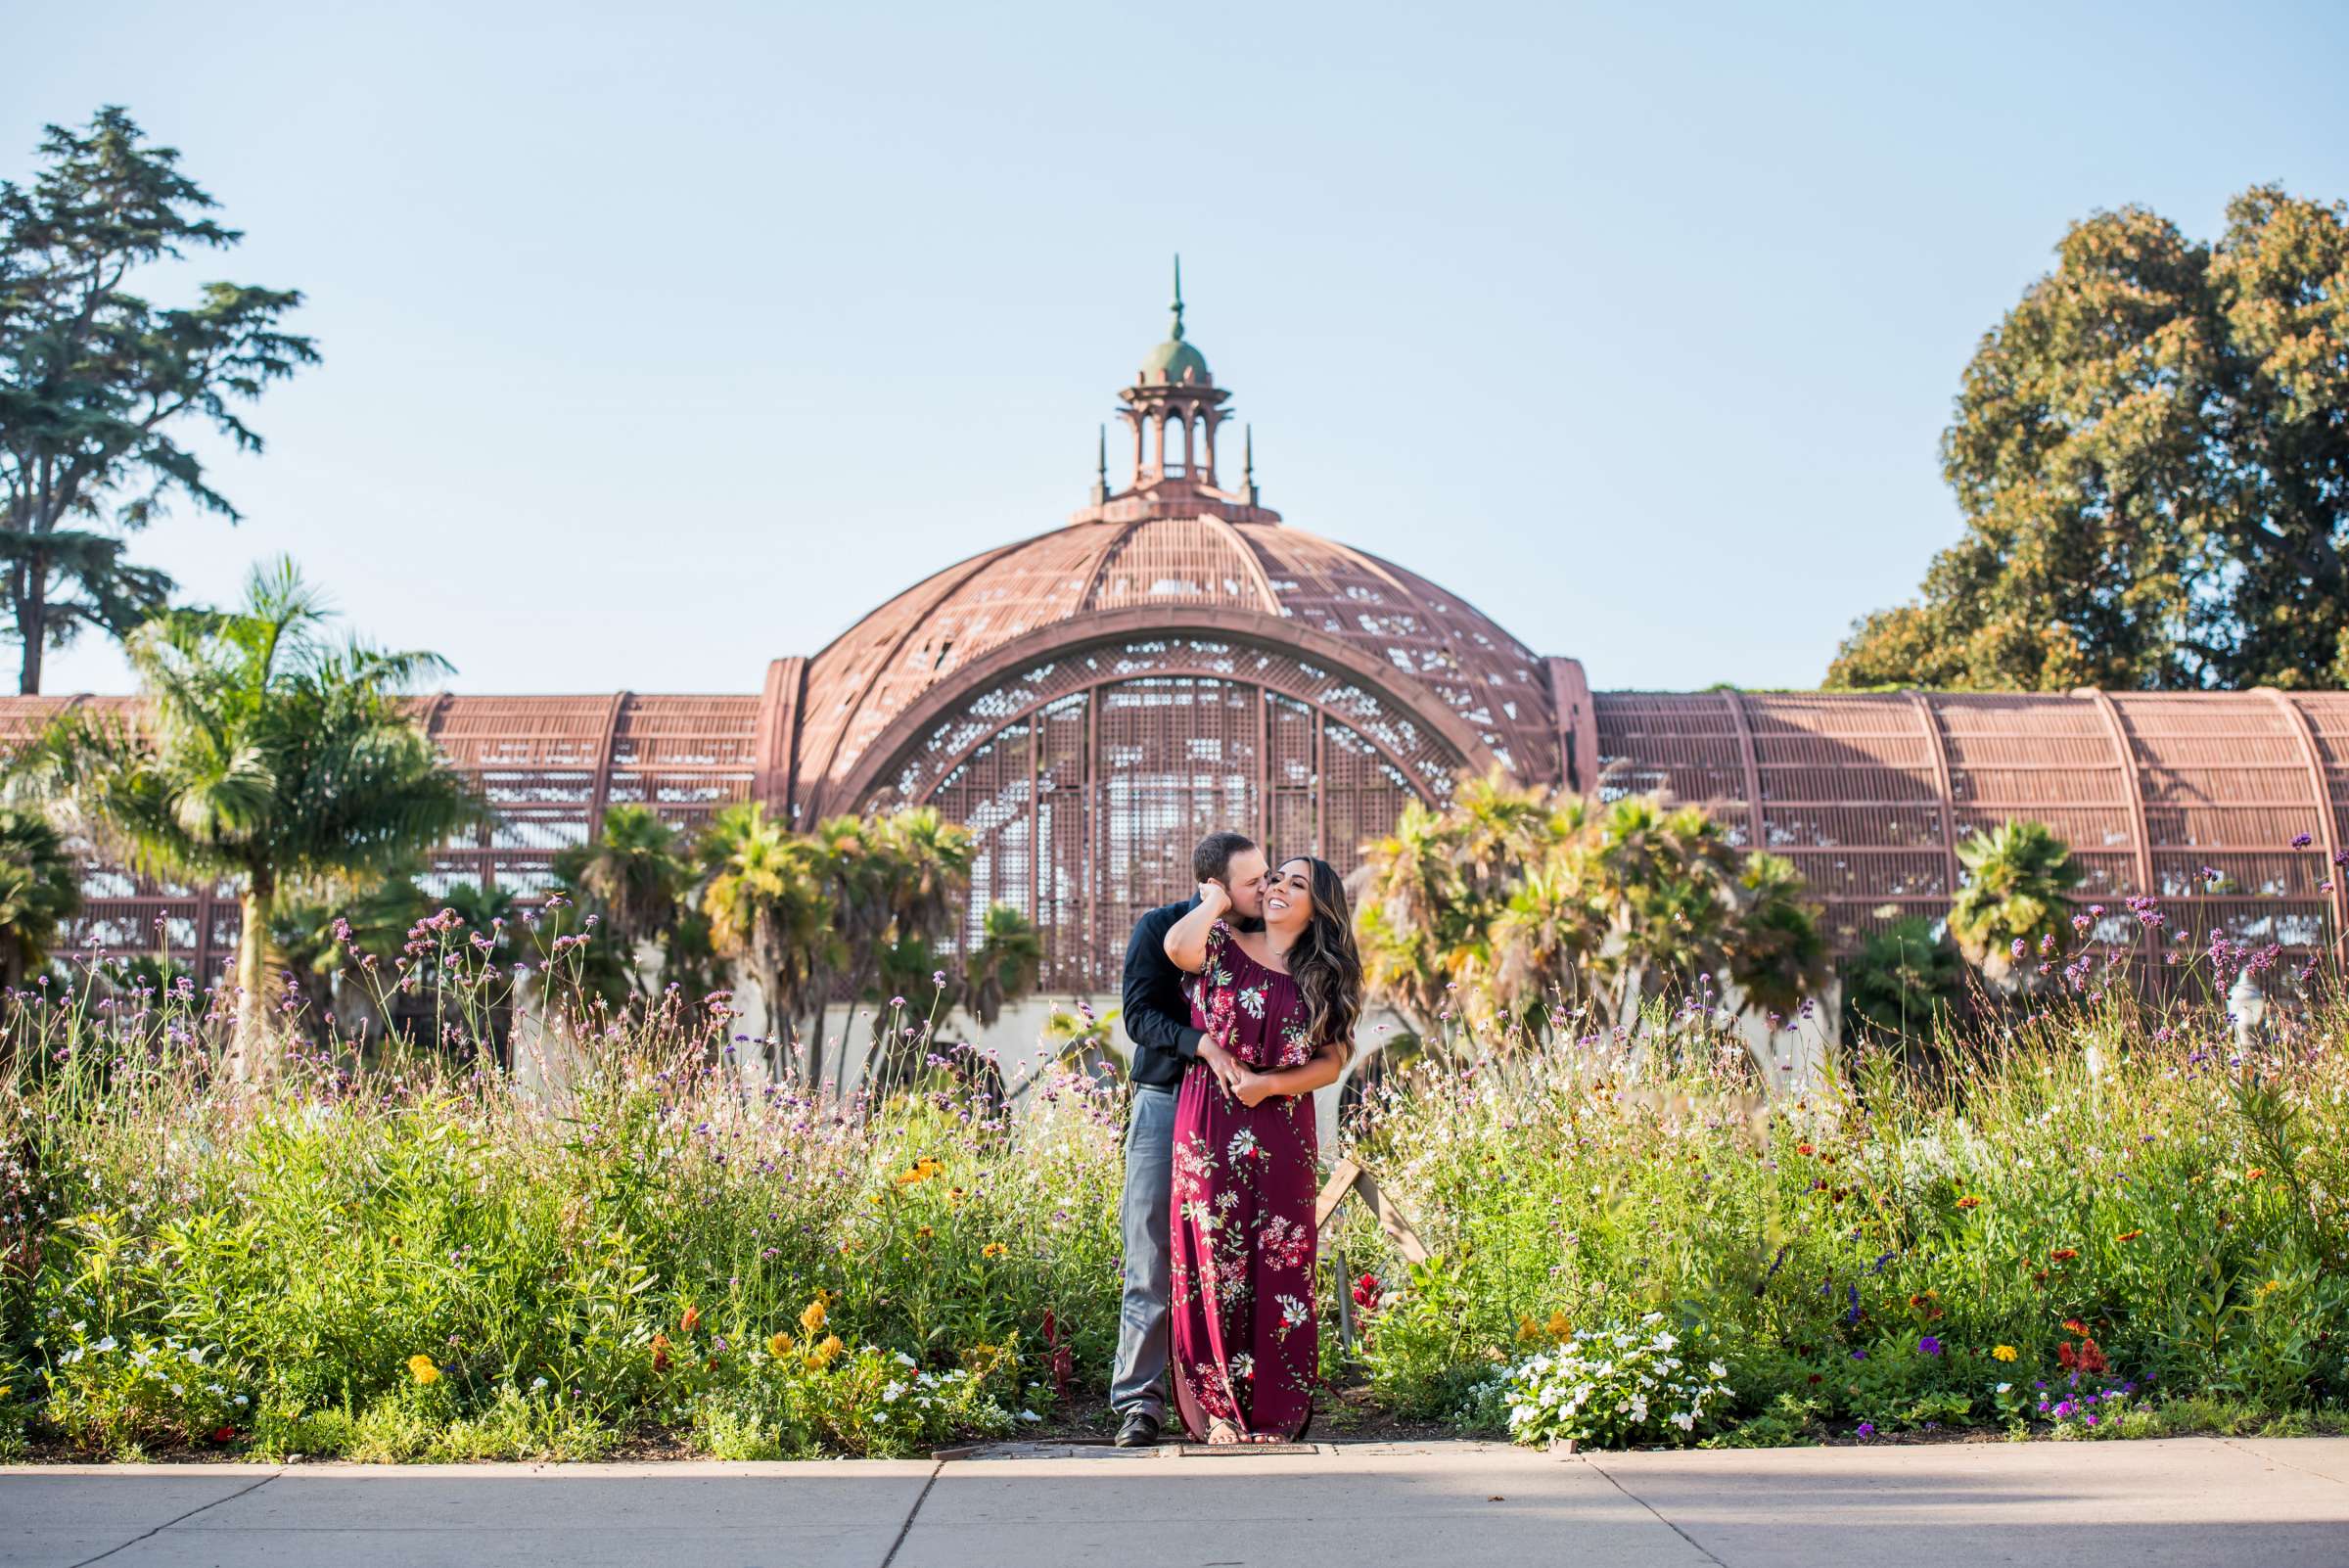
pixel 1216 897
pixel 1254 1088
pixel 1220 1062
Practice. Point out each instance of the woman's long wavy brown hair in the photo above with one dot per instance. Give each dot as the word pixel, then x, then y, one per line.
pixel 1328 968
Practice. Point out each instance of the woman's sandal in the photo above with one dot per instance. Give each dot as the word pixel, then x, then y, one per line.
pixel 1222 1433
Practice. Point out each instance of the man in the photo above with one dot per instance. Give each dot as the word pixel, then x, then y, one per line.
pixel 1158 1021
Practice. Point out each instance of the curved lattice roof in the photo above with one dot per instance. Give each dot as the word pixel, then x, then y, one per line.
pixel 1434 648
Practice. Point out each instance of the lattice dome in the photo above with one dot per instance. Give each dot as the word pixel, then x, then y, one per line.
pixel 1437 654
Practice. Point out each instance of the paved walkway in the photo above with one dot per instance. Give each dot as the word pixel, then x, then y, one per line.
pixel 2187 1501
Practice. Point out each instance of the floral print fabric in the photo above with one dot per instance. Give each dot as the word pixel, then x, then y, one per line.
pixel 1246 1347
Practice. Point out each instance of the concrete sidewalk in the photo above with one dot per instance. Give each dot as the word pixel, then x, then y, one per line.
pixel 2186 1501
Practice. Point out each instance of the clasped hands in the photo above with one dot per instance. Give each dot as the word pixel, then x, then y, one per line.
pixel 1242 1082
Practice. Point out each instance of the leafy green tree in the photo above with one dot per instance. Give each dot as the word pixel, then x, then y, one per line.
pixel 98 385
pixel 2153 459
pixel 634 877
pixel 2016 905
pixel 264 754
pixel 40 891
pixel 1903 979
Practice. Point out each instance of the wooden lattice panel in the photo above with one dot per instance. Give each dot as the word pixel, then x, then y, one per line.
pixel 1869 794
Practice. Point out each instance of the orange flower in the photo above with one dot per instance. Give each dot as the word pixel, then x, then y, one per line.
pixel 2064 1254
pixel 2073 1325
pixel 2129 1235
pixel 660 1353
pixel 1969 1201
pixel 2255 1172
pixel 691 1321
pixel 1804 1148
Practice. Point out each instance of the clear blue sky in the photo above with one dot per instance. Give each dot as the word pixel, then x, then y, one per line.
pixel 661 340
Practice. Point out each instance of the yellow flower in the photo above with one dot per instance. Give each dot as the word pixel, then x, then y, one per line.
pixel 420 1369
pixel 820 1356
pixel 925 1233
pixel 780 1344
pixel 2004 1352
pixel 1526 1330
pixel 922 1169
pixel 994 1249
pixel 813 1317
pixel 2271 1287
pixel 1558 1326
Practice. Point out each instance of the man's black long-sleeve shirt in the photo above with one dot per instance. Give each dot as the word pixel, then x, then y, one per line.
pixel 1157 1014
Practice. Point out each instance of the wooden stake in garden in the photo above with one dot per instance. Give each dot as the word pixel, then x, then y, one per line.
pixel 1350 1177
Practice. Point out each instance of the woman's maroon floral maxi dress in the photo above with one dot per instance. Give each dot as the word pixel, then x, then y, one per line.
pixel 1246 1347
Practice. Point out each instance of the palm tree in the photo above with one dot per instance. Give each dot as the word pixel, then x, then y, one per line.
pixel 1554 922
pixel 307 940
pixel 904 880
pixel 636 878
pixel 766 905
pixel 1413 918
pixel 1903 977
pixel 264 753
pixel 2016 897
pixel 1005 964
pixel 1778 953
pixel 40 890
pixel 1667 875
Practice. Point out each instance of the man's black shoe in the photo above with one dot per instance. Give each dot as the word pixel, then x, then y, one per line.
pixel 1138 1430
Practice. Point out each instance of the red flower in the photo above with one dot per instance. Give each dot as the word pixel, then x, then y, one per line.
pixel 1803 1148
pixel 1367 1293
pixel 2073 1325
pixel 224 1434
pixel 691 1321
pixel 2064 1254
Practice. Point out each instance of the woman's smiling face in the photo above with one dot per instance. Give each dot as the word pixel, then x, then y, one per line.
pixel 1289 895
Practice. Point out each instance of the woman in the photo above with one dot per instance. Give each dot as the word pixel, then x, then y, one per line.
pixel 1283 1003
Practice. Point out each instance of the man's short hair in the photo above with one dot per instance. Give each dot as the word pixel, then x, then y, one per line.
pixel 1212 860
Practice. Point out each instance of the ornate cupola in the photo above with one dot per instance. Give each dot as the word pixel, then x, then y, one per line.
pixel 1175 409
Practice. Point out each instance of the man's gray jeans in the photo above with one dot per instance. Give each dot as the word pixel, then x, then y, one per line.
pixel 1140 1380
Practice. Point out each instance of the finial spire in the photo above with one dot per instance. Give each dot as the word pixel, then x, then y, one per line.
pixel 1248 462
pixel 1101 467
pixel 1178 296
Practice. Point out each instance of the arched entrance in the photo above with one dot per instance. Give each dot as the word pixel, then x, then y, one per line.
pixel 1086 774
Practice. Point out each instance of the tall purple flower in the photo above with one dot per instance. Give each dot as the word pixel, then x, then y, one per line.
pixel 1929 1346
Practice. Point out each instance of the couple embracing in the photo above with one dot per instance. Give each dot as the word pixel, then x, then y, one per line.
pixel 1240 1002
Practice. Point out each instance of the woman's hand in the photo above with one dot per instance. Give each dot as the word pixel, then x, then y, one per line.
pixel 1214 896
pixel 1253 1087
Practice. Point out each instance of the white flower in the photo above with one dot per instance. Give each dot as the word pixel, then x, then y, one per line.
pixel 905 1360
pixel 240 1400
pixel 2003 1387
pixel 1030 1416
pixel 106 1344
pixel 1716 1369
pixel 1683 1420
pixel 893 1392
pixel 537 1383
